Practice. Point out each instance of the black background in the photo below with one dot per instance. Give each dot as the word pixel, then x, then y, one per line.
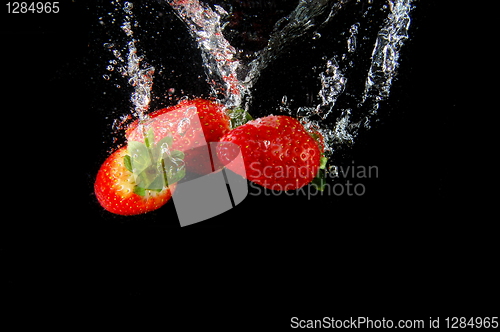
pixel 414 221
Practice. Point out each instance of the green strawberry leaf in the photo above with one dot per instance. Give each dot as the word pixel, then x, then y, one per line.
pixel 141 164
pixel 149 138
pixel 127 162
pixel 238 116
pixel 154 165
pixel 151 179
pixel 322 162
pixel 139 157
pixel 140 191
pixel 319 182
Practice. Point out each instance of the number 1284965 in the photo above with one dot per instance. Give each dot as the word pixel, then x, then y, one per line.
pixel 33 7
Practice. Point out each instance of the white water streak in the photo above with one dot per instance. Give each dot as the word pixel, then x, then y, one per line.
pixel 140 74
pixel 386 52
pixel 382 71
pixel 205 25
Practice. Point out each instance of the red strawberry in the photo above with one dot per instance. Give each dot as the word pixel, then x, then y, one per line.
pixel 189 134
pixel 116 189
pixel 278 152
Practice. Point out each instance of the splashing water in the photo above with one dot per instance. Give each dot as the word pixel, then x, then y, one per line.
pixel 219 56
pixel 238 77
pixel 384 62
pixel 231 76
pixel 139 73
pixel 385 54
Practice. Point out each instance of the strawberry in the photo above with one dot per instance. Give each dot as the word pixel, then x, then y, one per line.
pixel 140 177
pixel 278 152
pixel 192 124
pixel 115 188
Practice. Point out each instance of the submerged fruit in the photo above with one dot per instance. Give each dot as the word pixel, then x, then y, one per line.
pixel 117 191
pixel 278 152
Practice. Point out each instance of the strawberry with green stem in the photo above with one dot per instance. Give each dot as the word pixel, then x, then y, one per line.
pixel 140 177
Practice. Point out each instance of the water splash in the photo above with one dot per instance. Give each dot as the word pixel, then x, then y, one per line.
pixel 139 73
pixel 333 84
pixel 385 55
pixel 231 76
pixel 235 78
pixel 383 69
pixel 219 57
pixel 343 105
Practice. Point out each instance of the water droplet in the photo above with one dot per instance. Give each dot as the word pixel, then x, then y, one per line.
pixel 351 41
pixel 110 68
pixel 106 77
